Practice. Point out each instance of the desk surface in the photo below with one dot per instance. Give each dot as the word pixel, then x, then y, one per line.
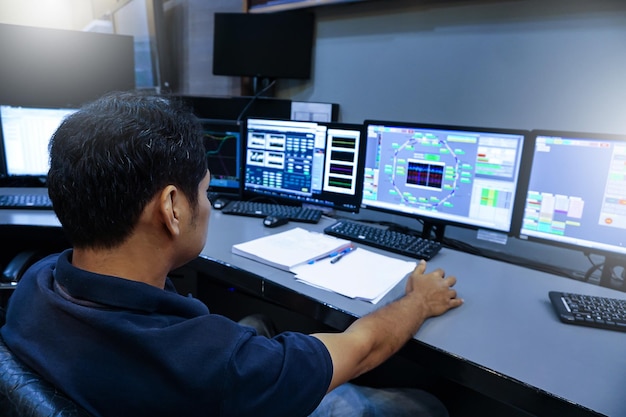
pixel 505 341
pixel 506 327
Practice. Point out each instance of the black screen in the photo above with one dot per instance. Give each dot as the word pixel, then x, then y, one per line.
pixel 273 45
pixel 43 67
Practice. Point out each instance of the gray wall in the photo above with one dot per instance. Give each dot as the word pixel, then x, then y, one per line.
pixel 551 64
pixel 190 31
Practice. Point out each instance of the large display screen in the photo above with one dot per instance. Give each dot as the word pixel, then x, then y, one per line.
pixel 576 192
pixel 444 174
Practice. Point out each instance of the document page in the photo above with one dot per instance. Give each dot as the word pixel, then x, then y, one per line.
pixel 361 274
pixel 287 249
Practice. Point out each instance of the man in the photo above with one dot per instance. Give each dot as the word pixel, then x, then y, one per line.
pixel 128 179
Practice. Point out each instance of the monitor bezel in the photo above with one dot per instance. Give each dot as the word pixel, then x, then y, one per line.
pixel 356 198
pixel 581 247
pixel 438 224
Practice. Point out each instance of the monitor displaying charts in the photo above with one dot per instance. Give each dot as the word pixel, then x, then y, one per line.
pixel 443 175
pixel 26 132
pixel 298 162
pixel 222 140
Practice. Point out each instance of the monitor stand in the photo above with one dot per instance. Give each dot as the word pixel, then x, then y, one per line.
pixel 613 273
pixel 433 228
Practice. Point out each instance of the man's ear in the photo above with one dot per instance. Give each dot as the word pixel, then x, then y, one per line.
pixel 170 209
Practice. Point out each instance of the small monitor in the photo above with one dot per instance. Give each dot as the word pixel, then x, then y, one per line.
pixel 26 132
pixel 222 140
pixel 464 176
pixel 266 46
pixel 300 162
pixel 576 194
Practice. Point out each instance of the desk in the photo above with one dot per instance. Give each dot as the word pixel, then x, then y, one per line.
pixel 504 342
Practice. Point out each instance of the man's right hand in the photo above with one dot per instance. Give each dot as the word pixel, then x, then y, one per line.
pixel 373 338
pixel 434 290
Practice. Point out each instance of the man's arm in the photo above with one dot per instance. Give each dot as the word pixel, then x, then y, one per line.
pixel 373 338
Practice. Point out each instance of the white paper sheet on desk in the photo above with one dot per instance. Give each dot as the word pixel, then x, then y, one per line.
pixel 361 274
pixel 288 249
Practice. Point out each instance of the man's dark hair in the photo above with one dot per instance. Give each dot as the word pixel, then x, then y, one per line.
pixel 109 159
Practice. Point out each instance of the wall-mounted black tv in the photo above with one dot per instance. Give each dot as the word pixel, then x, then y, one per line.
pixel 265 46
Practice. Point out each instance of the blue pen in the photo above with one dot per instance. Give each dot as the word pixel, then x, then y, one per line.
pixel 342 254
pixel 330 255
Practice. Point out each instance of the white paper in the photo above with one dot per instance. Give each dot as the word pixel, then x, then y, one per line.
pixel 288 249
pixel 361 274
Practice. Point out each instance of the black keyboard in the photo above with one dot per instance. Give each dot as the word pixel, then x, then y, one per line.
pixel 22 201
pixel 397 242
pixel 590 310
pixel 256 209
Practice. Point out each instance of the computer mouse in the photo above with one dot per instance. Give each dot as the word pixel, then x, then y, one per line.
pixel 219 203
pixel 275 221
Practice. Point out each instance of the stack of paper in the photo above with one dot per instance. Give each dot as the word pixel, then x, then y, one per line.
pixel 328 262
pixel 291 248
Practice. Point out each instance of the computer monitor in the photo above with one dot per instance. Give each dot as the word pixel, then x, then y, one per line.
pixel 43 67
pixel 25 133
pixel 442 175
pixel 301 162
pixel 222 140
pixel 576 194
pixel 269 45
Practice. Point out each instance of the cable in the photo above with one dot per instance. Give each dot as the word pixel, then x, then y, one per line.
pixel 591 270
pixel 257 95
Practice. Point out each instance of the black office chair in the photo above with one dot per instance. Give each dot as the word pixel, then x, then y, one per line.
pixel 23 393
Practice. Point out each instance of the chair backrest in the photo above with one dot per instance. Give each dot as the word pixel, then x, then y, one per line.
pixel 23 393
